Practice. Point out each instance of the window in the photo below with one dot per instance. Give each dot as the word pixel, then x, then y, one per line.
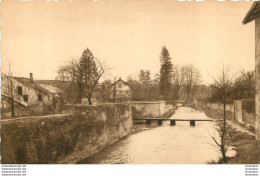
pixel 20 90
pixel 120 85
pixel 39 97
pixel 25 98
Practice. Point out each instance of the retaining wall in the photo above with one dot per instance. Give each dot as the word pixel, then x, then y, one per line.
pixel 157 109
pixel 66 138
pixel 240 111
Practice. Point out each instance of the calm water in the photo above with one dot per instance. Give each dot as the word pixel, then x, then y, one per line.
pixel 179 144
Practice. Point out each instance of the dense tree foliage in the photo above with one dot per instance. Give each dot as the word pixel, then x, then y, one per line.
pixel 165 72
pixel 83 74
pixel 243 87
pixel 191 79
pixel 144 76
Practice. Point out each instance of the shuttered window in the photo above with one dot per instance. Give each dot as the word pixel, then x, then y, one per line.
pixel 20 90
pixel 25 98
pixel 39 97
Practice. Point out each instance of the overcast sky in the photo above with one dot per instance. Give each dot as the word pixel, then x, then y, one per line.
pixel 38 36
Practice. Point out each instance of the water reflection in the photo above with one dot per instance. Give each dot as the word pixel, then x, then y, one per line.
pixel 180 144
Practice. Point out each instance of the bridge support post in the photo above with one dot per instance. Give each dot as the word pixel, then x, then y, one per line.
pixel 160 122
pixel 192 123
pixel 148 122
pixel 172 122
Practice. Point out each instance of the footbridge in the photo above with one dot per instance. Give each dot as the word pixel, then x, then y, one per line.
pixel 173 121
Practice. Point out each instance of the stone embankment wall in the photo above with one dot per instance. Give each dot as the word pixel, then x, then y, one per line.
pixel 240 111
pixel 157 109
pixel 66 138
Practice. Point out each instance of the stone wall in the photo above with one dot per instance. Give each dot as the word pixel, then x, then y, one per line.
pixel 157 109
pixel 66 138
pixel 237 111
pixel 248 112
pixel 215 110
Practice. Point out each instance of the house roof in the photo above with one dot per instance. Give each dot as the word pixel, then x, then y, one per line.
pixel 50 88
pixel 56 83
pixel 32 84
pixel 253 13
pixel 118 81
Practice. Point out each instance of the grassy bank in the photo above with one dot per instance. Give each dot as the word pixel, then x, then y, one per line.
pixel 248 151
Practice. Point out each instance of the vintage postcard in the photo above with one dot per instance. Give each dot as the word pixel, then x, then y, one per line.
pixel 130 82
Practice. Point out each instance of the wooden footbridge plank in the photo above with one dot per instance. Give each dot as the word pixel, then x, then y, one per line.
pixel 173 121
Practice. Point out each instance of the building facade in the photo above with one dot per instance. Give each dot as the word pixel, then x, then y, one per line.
pixel 120 91
pixel 254 15
pixel 22 96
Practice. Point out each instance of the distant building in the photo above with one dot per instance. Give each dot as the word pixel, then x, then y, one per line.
pixel 23 96
pixel 254 14
pixel 120 91
pixel 69 92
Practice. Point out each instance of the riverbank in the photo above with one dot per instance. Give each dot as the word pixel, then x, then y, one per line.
pixel 165 144
pixel 239 135
pixel 246 147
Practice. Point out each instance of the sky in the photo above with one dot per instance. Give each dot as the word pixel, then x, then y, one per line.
pixel 38 36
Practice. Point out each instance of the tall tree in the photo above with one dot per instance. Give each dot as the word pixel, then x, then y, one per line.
pixel 86 72
pixel 64 73
pixel 177 80
pixel 145 80
pixel 244 86
pixel 191 78
pixel 222 85
pixel 144 76
pixel 8 89
pixel 165 72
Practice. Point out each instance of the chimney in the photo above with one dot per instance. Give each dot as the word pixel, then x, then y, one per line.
pixel 31 76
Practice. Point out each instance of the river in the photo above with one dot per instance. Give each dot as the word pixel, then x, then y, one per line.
pixel 179 144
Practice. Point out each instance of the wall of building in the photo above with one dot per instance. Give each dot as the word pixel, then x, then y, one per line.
pixel 122 91
pixel 21 107
pixel 257 72
pixel 66 138
pixel 32 93
pixel 145 109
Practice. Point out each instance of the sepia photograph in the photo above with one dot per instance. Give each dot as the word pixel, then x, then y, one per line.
pixel 130 82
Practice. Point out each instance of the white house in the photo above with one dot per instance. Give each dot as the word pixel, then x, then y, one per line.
pixel 23 93
pixel 120 91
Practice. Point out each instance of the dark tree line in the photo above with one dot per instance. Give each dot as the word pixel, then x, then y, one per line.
pixel 169 84
pixel 243 87
pixel 225 90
